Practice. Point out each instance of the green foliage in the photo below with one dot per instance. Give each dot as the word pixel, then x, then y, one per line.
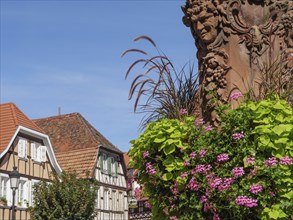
pixel 184 176
pixel 67 197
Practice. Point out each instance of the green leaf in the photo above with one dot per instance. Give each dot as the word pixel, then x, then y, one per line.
pixel 167 176
pixel 274 214
pixel 159 139
pixel 169 149
pixel 279 129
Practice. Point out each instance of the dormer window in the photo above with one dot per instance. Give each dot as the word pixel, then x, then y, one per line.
pixel 38 152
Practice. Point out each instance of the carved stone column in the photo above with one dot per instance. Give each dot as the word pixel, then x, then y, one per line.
pixel 235 39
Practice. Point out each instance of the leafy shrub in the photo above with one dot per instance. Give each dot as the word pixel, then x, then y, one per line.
pixel 67 197
pixel 191 170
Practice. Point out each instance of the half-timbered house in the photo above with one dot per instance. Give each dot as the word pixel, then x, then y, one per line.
pixel 81 148
pixel 26 147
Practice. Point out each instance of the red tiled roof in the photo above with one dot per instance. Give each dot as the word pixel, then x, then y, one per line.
pixel 75 141
pixel 80 161
pixel 126 159
pixel 10 118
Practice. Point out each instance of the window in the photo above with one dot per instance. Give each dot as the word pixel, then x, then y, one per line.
pixel 114 201
pixel 22 148
pixel 120 202
pixel 5 190
pixel 106 199
pixel 31 197
pixel 23 193
pixel 38 152
pixel 114 167
pixel 103 162
pixel 98 199
pixel 140 206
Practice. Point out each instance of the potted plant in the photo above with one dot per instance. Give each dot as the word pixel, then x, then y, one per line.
pixel 3 200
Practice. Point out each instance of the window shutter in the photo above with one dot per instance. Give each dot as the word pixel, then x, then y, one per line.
pixel 33 150
pixel 43 150
pixel 101 162
pixel 109 165
pixel 21 147
pixel 116 168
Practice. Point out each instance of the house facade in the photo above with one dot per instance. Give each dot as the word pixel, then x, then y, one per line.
pixel 81 148
pixel 25 146
pixel 138 208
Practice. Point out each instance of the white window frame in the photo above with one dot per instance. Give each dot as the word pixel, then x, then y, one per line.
pixel 23 191
pixel 5 190
pixel 22 146
pixel 38 152
pixel 31 195
pixel 106 199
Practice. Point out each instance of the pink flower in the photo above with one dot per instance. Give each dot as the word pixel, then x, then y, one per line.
pixel 214 183
pixel 137 193
pixel 199 121
pixel 203 199
pixel 193 184
pixel 272 194
pixel 208 128
pixel 286 160
pixel 226 184
pixel 186 163
pixel 235 96
pixel 202 153
pixel 222 157
pixel 145 154
pixel 183 175
pixel 238 136
pixel 255 188
pixel 149 168
pixel 183 111
pixel 250 160
pixel 272 161
pixel 147 205
pixel 192 155
pixel 245 201
pixel 252 172
pixel 173 218
pixel 216 217
pixel 238 171
pixel 174 189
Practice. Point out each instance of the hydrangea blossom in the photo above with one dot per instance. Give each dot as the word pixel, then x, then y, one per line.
pixel 255 188
pixel 238 171
pixel 222 157
pixel 203 199
pixel 173 218
pixel 174 189
pixel 216 217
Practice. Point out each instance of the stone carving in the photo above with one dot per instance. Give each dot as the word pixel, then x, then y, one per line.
pixel 235 38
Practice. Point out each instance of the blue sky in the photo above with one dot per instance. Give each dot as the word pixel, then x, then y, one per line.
pixel 67 54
